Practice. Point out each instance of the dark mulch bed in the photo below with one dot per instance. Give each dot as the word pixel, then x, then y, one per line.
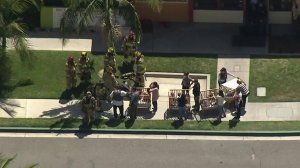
pixel 284 44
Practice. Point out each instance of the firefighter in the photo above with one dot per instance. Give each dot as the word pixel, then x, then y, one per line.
pixel 101 93
pixel 140 70
pixel 109 79
pixel 109 60
pixel 129 48
pixel 85 68
pixel 89 107
pixel 71 73
pixel 129 45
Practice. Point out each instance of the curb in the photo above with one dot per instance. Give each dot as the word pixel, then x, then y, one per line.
pixel 148 131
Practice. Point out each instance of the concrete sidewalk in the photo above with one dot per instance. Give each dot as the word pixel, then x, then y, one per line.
pixel 45 108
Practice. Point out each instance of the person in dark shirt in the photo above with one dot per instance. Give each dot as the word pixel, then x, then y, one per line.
pixel 134 101
pixel 196 93
pixel 186 81
pixel 181 100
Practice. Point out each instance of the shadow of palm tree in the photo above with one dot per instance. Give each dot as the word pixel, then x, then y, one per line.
pixel 9 106
pixel 71 110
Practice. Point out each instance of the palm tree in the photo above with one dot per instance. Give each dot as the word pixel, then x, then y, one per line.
pixel 12 30
pixel 4 162
pixel 82 12
pixel 12 27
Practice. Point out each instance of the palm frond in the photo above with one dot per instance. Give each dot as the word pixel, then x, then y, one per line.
pixel 128 11
pixel 20 6
pixel 87 14
pixel 155 5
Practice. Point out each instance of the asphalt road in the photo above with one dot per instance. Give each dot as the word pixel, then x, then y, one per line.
pixel 133 153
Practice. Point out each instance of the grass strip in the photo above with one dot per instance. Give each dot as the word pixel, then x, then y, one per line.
pixel 154 124
pixel 46 79
pixel 280 76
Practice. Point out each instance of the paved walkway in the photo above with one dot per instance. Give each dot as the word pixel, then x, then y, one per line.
pixel 276 111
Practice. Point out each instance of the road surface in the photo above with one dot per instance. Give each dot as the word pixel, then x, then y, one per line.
pixel 147 153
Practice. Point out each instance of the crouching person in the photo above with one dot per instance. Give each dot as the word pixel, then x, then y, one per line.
pixel 88 107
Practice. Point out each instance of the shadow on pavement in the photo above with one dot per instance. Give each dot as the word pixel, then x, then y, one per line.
pixel 129 123
pixel 9 106
pixel 233 123
pixel 113 122
pixel 209 113
pixel 177 123
pixel 77 92
pixel 64 123
pixel 142 113
pixel 215 122
pixel 84 130
pixel 174 115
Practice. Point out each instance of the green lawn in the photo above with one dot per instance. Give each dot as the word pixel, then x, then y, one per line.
pixel 48 73
pixel 155 124
pixel 280 76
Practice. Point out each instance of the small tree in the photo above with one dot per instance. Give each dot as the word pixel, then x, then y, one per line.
pixel 12 27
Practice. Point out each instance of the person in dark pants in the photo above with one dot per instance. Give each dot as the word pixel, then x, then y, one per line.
pixel 221 111
pixel 134 100
pixel 181 100
pixel 117 101
pixel 242 88
pixel 238 105
pixel 196 93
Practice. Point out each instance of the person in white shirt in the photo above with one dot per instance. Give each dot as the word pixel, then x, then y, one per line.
pixel 154 88
pixel 117 96
pixel 242 88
